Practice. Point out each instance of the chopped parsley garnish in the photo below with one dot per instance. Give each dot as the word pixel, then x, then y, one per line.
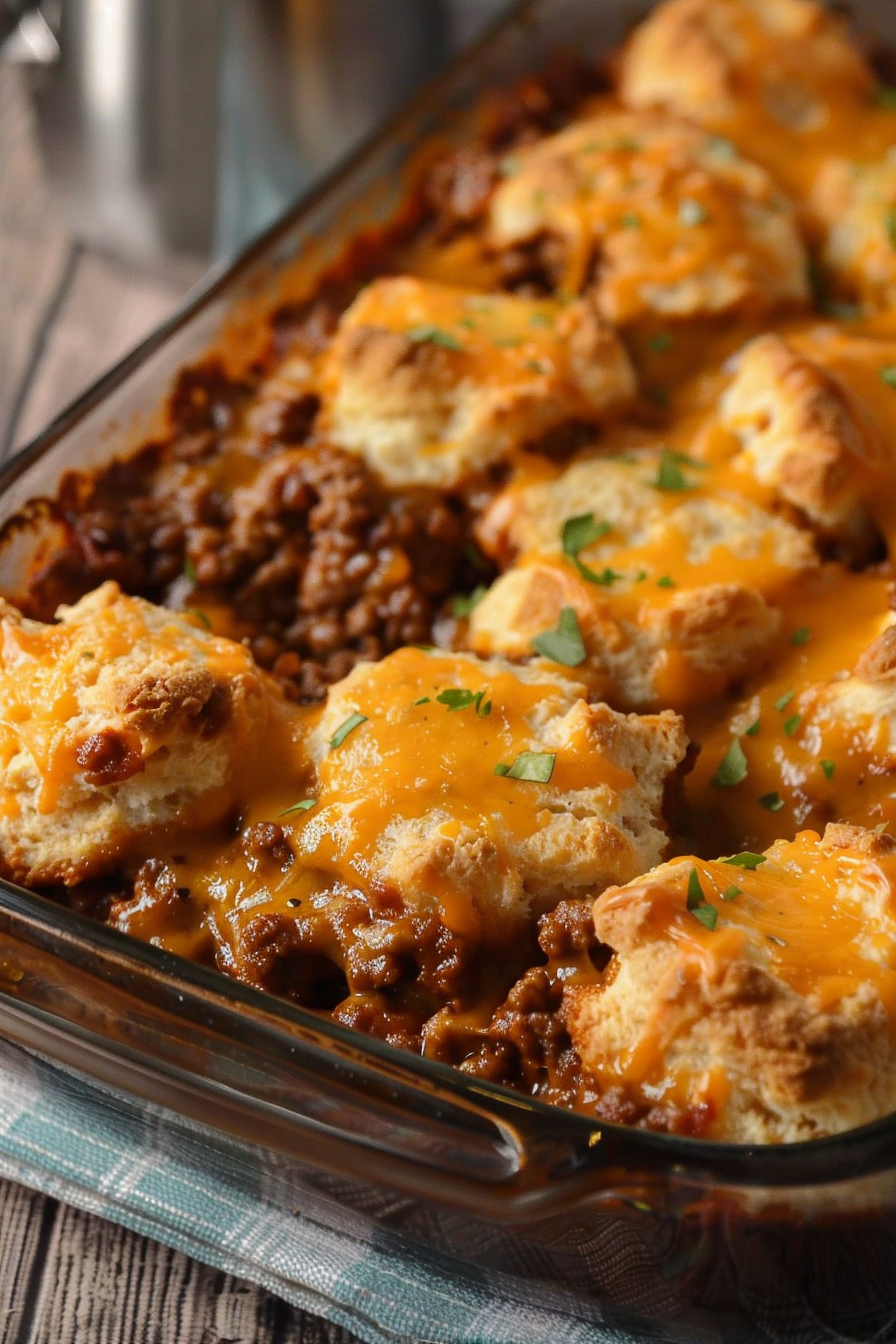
pixel 890 225
pixel 885 96
pixel 424 700
pixel 190 568
pixel 801 636
pixel 510 165
pixel 87 653
pixel 665 582
pixel 200 616
pixel 732 768
pixel 828 768
pixel 772 802
pixel 745 860
pixel 435 336
pixel 791 724
pixel 691 213
pixel 575 535
pixel 628 142
pixel 541 320
pixel 462 606
pixel 784 700
pixel 460 698
pixel 536 766
pixel 753 728
pixel 564 644
pixel 303 806
pixel 661 342
pixel 731 893
pixel 699 907
pixel 534 366
pixel 468 322
pixel 475 556
pixel 888 375
pixel 670 475
pixel 352 722
pixel 631 221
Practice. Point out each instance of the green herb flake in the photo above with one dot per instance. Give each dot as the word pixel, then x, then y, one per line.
pixel 535 766
pixel 534 366
pixel 792 724
pixel 772 802
pixel 660 343
pixel 435 336
pixel 460 698
pixel 468 322
pixel 665 582
pixel 801 636
pixel 885 96
pixel 732 768
pixel 631 221
pixel 745 859
pixel 888 375
pixel 670 476
pixel 698 905
pixel 424 700
pixel 351 723
pixel 731 893
pixel 87 653
pixel 501 769
pixel 890 226
pixel 582 531
pixel 303 806
pixel 200 616
pixel 510 165
pixel 691 213
pixel 190 570
pixel 564 644
pixel 753 728
pixel 784 700
pixel 463 606
pixel 828 768
pixel 541 320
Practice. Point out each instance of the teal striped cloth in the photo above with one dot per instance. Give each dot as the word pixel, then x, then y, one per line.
pixel 235 1208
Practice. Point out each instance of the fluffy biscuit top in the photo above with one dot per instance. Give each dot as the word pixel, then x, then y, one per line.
pixel 673 579
pixel 753 999
pixel 120 719
pixel 786 59
pixel 803 434
pixel 431 384
pixel 852 207
pixel 667 219
pixel 491 790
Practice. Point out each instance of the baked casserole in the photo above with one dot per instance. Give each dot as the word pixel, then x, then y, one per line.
pixel 496 651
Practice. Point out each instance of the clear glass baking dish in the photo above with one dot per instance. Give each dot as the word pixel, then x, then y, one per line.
pixel 675 1239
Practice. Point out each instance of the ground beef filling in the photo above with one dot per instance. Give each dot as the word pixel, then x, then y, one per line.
pixel 301 551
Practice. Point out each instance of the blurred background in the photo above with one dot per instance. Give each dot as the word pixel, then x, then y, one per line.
pixel 142 140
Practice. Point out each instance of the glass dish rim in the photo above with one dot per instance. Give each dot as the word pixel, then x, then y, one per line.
pixel 857 1152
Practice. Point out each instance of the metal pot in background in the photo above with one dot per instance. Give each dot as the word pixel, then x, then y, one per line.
pixel 181 127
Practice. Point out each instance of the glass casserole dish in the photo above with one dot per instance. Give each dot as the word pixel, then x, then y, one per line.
pixel 671 1235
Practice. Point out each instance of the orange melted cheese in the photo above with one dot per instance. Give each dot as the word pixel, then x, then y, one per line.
pixel 819 920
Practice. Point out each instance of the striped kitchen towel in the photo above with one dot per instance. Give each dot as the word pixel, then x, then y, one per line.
pixel 238 1209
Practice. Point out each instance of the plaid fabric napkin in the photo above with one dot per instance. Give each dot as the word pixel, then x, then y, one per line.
pixel 235 1208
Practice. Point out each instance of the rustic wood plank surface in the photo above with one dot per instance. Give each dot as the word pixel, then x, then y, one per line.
pixel 67 1277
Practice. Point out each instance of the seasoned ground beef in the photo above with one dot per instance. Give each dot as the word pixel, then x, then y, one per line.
pixel 292 544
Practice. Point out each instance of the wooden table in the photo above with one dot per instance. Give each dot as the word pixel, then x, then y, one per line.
pixel 65 1277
